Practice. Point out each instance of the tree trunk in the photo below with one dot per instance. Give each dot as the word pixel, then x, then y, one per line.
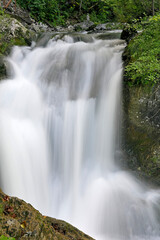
pixel 4 3
pixel 152 7
pixel 6 6
pixel 80 6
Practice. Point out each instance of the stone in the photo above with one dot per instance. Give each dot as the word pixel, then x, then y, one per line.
pixel 83 26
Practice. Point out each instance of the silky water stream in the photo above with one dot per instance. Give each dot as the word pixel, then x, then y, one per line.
pixel 59 134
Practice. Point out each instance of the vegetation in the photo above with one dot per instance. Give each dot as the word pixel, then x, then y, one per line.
pixel 144 63
pixel 126 11
pixel 58 11
pixel 6 238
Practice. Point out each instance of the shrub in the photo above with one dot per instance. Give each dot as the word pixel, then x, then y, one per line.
pixel 144 50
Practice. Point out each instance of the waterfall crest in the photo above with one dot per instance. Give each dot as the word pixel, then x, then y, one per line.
pixel 59 124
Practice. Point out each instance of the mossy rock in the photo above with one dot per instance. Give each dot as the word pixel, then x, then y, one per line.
pixel 21 221
pixel 142 130
pixel 12 32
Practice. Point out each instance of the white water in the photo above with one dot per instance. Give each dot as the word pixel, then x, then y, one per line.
pixel 59 118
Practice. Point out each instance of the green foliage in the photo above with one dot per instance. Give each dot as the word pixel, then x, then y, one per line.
pixel 1 11
pixel 100 11
pixel 127 10
pixel 46 10
pixel 57 11
pixel 6 238
pixel 144 65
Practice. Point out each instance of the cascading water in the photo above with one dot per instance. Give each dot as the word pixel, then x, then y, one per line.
pixel 59 117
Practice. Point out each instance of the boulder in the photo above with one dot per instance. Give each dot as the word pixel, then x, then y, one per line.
pixel 83 26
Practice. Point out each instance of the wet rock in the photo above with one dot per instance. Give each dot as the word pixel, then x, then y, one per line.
pixel 142 130
pixel 83 26
pixel 60 29
pixel 2 68
pixel 40 27
pixel 101 27
pixel 70 28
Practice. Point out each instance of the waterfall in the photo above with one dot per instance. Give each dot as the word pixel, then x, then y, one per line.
pixel 59 125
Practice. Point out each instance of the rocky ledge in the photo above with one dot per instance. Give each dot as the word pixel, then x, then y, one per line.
pixel 20 220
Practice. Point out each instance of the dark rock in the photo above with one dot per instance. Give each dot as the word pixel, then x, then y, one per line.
pixel 128 33
pixel 92 27
pixel 3 72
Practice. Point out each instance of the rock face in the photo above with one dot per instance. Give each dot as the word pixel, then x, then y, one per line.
pixel 21 221
pixel 141 114
pixel 141 127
